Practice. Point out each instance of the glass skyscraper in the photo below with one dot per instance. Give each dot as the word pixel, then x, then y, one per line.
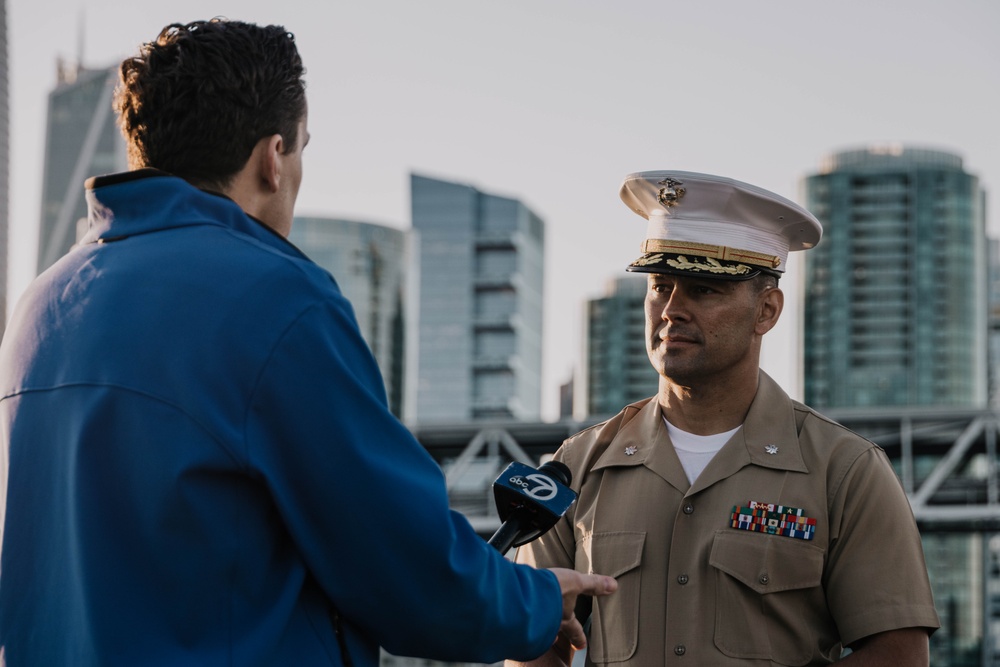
pixel 895 310
pixel 480 330
pixel 372 265
pixel 81 140
pixel 617 369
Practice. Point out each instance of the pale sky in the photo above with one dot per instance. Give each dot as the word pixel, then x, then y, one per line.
pixel 554 101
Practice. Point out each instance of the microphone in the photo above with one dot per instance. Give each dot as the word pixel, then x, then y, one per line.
pixel 530 502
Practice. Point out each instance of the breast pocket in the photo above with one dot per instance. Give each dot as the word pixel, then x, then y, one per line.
pixel 615 631
pixel 769 597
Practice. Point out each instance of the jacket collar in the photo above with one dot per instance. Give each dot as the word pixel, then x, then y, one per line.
pixel 769 427
pixel 148 200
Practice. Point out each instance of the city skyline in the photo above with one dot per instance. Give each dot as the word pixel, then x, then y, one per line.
pixel 554 104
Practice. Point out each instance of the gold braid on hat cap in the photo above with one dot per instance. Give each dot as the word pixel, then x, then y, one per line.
pixel 712 251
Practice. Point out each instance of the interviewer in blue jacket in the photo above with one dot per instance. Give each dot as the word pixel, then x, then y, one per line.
pixel 202 468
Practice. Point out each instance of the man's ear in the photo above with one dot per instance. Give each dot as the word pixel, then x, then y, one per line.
pixel 770 303
pixel 267 153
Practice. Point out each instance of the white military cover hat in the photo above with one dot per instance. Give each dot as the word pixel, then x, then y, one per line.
pixel 716 227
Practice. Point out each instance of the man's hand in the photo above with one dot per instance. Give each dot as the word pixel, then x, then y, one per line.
pixel 573 585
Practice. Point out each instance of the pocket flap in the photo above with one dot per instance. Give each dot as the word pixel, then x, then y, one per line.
pixel 611 554
pixel 767 563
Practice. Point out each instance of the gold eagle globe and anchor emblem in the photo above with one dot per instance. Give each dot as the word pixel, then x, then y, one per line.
pixel 670 194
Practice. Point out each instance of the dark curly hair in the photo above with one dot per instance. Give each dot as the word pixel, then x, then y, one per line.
pixel 196 101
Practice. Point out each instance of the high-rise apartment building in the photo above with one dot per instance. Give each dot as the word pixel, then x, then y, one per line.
pixel 81 140
pixel 895 310
pixel 616 369
pixel 480 331
pixel 372 265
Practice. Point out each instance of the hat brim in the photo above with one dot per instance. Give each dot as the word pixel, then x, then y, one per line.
pixel 696 267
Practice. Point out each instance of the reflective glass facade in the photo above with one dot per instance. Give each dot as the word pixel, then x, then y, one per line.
pixel 81 140
pixel 481 279
pixel 617 369
pixel 895 309
pixel 372 265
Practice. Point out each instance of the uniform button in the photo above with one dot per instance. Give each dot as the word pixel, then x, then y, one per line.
pixel 682 579
pixel 764 579
pixel 689 508
pixel 680 650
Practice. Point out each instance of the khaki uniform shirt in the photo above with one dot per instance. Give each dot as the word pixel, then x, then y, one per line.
pixel 694 589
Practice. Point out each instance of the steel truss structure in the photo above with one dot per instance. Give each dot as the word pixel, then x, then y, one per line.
pixel 945 459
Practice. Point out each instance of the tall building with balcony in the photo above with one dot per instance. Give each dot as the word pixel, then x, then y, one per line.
pixel 81 140
pixel 896 305
pixel 373 268
pixel 616 368
pixel 480 331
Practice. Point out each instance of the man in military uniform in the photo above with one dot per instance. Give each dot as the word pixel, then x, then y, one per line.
pixel 743 527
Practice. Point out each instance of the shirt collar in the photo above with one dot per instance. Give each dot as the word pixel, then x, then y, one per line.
pixel 769 432
pixel 643 440
pixel 768 438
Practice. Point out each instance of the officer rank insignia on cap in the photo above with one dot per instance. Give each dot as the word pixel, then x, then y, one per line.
pixel 704 225
pixel 773 520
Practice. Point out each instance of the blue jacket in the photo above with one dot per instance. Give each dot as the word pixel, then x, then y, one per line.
pixel 203 469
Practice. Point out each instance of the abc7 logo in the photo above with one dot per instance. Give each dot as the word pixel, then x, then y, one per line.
pixel 536 486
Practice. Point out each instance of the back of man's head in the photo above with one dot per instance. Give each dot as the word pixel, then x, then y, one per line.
pixel 196 101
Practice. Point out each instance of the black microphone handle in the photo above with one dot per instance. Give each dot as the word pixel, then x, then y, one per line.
pixel 507 534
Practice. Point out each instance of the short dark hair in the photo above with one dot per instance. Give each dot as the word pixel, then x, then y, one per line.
pixel 763 281
pixel 196 101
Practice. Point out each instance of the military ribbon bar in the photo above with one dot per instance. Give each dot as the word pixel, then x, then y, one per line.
pixel 773 520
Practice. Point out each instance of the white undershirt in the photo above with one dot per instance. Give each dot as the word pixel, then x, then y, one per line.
pixel 695 451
